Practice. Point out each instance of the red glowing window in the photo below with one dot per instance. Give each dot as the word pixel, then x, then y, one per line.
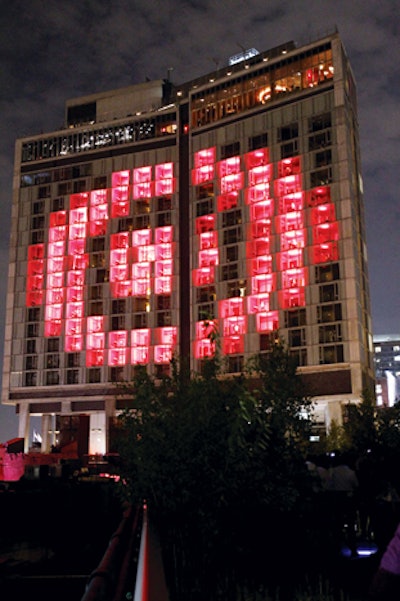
pixel 232 182
pixel 58 218
pixel 54 296
pixel 163 234
pixel 77 231
pixel 204 348
pixel 259 175
pixel 289 166
pixel 258 247
pixel 56 249
pixel 119 273
pixel 74 294
pixel 120 194
pixel 79 215
pixel 231 307
pixel 261 210
pixel 95 324
pixel 121 289
pixel 75 278
pixel 235 326
pixel 227 201
pixel 255 158
pixel 325 252
pixel 95 341
pixel 208 240
pixel 164 186
pixel 73 344
pixel 206 329
pixel 206 223
pixel 287 185
pixel 94 358
pixel 292 202
pixel 257 193
pixel 34 298
pixel 203 276
pixel 35 267
pixel 120 209
pixel 204 157
pixel 53 312
pixel 264 283
pixel 120 240
pixel 261 265
pixel 55 280
pixel 99 212
pixel 293 278
pixel 76 247
pixel 163 268
pixel 201 175
pixel 119 256
pixel 144 190
pixel 292 297
pixel 117 339
pixel 143 254
pixel 164 171
pixel 98 197
pixel 257 303
pixel 34 282
pixel 209 257
pixel 52 328
pixel 141 237
pixel 165 336
pixel 228 166
pixel 78 200
pixel 290 221
pixel 142 175
pixel 117 357
pixel 120 178
pixel 35 251
pixel 141 271
pixel 78 261
pixel 55 264
pixel 140 337
pixel 290 259
pixel 319 195
pixel 325 232
pixel 140 355
pixel 323 214
pixel 57 234
pixel 163 285
pixel 267 322
pixel 163 251
pixel 233 345
pixel 73 326
pixel 74 310
pixel 141 287
pixel 293 239
pixel 162 353
pixel 261 228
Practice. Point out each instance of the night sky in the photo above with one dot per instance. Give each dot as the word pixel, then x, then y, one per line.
pixel 52 51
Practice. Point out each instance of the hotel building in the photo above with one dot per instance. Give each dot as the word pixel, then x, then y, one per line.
pixel 233 201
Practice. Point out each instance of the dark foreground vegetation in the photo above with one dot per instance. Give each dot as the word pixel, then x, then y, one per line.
pixel 224 466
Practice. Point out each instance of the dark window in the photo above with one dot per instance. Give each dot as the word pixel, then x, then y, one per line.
pixel 163 318
pixel 52 378
pixel 117 374
pixel 236 288
pixel 327 273
pixel 232 235
pixel 73 376
pixel 321 177
pixel 140 320
pixel 73 359
pixel 94 375
pixel 125 225
pixel 118 306
pixel 52 345
pixel 205 294
pixel 164 203
pixel 205 207
pixel 96 308
pixel 232 253
pixel 31 378
pixel 31 362
pixel 299 356
pixel 38 223
pixel 57 204
pixel 288 132
pixel 205 311
pixel 331 333
pixel 297 337
pixel 164 219
pixel 52 361
pixel 230 150
pixel 38 207
pixel 118 322
pixel 37 237
pixel 34 314
pixel 290 149
pixel 163 302
pixel 328 293
pixel 97 244
pixel 101 276
pixel 231 218
pixel 230 271
pixel 32 330
pixel 328 313
pixel 260 141
pixel 320 122
pixel 323 158
pixel 331 354
pixel 295 318
pixel 319 140
pixel 141 222
pixel 100 182
pixel 234 364
pixel 96 292
pixel 205 191
pixel 44 192
pixel 30 346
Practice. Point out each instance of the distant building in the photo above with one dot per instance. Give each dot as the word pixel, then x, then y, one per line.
pixel 387 368
pixel 233 201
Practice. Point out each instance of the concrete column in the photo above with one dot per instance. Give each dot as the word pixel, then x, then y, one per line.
pixel 97 433
pixel 23 424
pixel 333 412
pixel 46 435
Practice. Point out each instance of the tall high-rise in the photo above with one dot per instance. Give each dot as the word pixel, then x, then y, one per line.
pixel 233 201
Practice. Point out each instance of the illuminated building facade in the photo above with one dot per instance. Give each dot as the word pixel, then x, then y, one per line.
pixel 162 212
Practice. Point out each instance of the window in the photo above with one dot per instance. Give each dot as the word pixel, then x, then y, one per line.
pixel 232 253
pixel 57 204
pixel 118 306
pixel 34 314
pixel 206 207
pixel 319 140
pixel 73 359
pixel 32 330
pixel 52 345
pixel 328 293
pixel 100 182
pixel 44 192
pixel 118 322
pixel 164 318
pixel 96 292
pixel 30 378
pixel 230 271
pixel 140 320
pixel 260 141
pixel 164 203
pixel 232 235
pixel 96 308
pixel 230 150
pixel 37 223
pixel 31 362
pixel 205 294
pixel 331 333
pixel 323 158
pixel 140 304
pixel 327 273
pixel 37 237
pixel 117 374
pixel 141 222
pixel 231 218
pixel 101 276
pixel 38 207
pixel 72 376
pixel 235 289
pixel 288 132
pixel 290 149
pixel 164 219
pixel 295 318
pixel 234 364
pixel 52 360
pixel 125 225
pixel 331 354
pixel 319 122
pixel 30 346
pixel 205 191
pixel 94 375
pixel 321 177
pixel 97 244
pixel 297 337
pixel 299 356
pixel 205 311
pixel 163 302
pixel 52 378
pixel 326 313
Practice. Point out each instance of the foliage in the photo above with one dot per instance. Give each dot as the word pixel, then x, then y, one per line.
pixel 217 458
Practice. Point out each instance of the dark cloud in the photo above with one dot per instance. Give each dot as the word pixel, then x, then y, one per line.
pixel 52 51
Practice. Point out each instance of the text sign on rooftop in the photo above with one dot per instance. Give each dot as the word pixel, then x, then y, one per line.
pixel 243 56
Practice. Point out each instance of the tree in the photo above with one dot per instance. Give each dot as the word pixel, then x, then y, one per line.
pixel 213 456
